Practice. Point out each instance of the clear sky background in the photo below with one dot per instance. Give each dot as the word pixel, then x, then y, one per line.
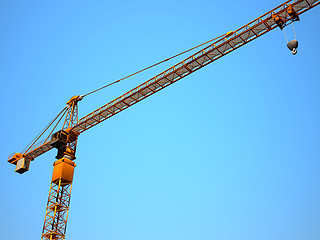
pixel 229 152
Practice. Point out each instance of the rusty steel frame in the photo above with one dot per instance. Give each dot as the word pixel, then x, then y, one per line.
pixel 55 222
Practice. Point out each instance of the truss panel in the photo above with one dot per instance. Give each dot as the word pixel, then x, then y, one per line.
pixel 221 47
pixel 55 222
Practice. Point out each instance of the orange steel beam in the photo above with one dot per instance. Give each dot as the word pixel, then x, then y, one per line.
pixel 218 49
pixel 230 42
pixel 36 150
pixel 55 222
pixel 44 146
pixel 56 217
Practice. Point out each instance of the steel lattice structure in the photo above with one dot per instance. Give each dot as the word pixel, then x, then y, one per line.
pixel 218 49
pixel 65 140
pixel 57 210
pixel 56 217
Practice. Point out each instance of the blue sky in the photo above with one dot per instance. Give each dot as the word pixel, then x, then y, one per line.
pixel 229 152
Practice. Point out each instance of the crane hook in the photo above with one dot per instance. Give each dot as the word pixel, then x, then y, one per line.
pixel 293 45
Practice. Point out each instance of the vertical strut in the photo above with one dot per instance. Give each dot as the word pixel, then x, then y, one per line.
pixel 55 221
pixel 72 116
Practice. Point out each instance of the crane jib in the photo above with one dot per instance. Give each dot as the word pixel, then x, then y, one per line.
pixel 280 16
pixel 285 14
pixel 65 140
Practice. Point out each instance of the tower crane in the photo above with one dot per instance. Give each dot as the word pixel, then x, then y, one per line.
pixel 65 140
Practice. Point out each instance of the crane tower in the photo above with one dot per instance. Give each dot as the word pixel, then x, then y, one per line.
pixel 65 140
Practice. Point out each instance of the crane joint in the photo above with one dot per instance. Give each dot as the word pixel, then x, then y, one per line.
pixel 61 141
pixel 74 100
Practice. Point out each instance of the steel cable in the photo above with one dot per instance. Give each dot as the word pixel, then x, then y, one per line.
pixel 43 131
pixel 167 59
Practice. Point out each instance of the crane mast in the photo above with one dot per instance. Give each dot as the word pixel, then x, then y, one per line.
pixel 65 140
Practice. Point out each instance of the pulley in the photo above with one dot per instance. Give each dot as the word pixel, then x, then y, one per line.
pixel 281 21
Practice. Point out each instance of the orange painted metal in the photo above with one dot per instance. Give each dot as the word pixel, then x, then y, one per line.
pixel 74 99
pixel 63 169
pixel 60 190
pixel 55 222
pixel 293 14
pixel 57 210
pixel 279 21
pixel 218 49
pixel 36 150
